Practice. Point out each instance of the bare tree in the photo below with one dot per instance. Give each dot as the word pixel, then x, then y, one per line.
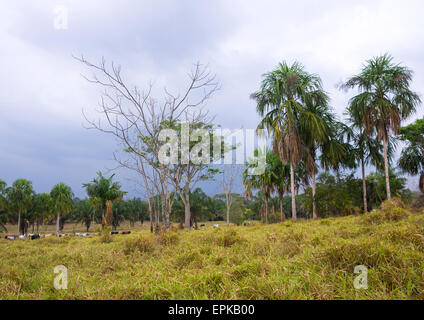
pixel 229 174
pixel 135 118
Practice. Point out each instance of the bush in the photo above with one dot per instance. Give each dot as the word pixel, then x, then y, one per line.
pixel 168 238
pixel 391 210
pixel 228 238
pixel 140 244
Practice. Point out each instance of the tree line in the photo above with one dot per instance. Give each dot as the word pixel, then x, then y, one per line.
pixel 311 148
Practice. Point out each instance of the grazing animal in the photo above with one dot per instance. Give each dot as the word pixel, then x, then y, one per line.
pixel 21 237
pixel 202 225
pixel 84 235
pixel 125 232
pixel 10 237
pixel 114 232
pixel 35 236
pixel 216 226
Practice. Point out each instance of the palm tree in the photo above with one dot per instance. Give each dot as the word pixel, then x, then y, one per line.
pixel 282 102
pixel 103 192
pixel 61 195
pixel 83 212
pixel 20 198
pixel 412 157
pixel 42 208
pixel 385 99
pixel 263 182
pixel 280 179
pixel 365 148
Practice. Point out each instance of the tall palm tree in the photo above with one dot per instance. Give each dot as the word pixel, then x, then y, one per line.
pixel 281 101
pixel 385 99
pixel 365 148
pixel 103 192
pixel 20 198
pixel 61 195
pixel 328 144
pixel 412 157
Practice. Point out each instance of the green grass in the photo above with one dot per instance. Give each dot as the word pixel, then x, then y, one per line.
pixel 303 260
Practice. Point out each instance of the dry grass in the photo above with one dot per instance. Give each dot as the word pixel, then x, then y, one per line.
pixel 303 260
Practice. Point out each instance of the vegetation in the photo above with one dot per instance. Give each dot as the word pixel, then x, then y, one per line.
pixel 309 174
pixel 306 260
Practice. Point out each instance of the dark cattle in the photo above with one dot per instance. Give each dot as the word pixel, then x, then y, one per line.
pixel 202 225
pixel 35 236
pixel 125 232
pixel 114 232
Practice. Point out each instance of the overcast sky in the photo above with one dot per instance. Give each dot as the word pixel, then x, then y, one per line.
pixel 42 93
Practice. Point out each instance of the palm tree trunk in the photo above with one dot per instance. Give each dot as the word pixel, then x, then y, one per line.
pixel 266 210
pixel 19 221
pixel 293 195
pixel 364 185
pixel 386 170
pixel 57 223
pixel 314 203
pixel 281 209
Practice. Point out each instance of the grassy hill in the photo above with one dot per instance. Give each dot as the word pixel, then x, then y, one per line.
pixel 303 260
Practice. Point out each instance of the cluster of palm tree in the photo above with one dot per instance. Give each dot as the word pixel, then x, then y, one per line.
pixel 20 204
pixel 307 135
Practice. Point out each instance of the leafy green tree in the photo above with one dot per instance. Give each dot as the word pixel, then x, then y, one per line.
pixel 3 205
pixel 282 101
pixel 19 197
pixel 61 195
pixel 103 192
pixel 215 206
pixel 83 212
pixel 42 208
pixel 412 157
pixel 120 210
pixel 263 182
pixel 385 99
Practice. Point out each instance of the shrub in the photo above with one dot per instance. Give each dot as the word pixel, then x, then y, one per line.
pixel 228 238
pixel 140 244
pixel 391 210
pixel 168 238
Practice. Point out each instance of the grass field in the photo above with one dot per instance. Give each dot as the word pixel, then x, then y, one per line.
pixel 303 260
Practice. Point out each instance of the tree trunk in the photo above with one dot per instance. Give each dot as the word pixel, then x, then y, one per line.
pixel 281 209
pixel 187 213
pixel 227 196
pixel 109 213
pixel 150 216
pixel 293 195
pixel 57 223
pixel 266 210
pixel 364 185
pixel 314 201
pixel 19 221
pixel 386 170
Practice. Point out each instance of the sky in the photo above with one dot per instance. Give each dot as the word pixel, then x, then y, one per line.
pixel 42 92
